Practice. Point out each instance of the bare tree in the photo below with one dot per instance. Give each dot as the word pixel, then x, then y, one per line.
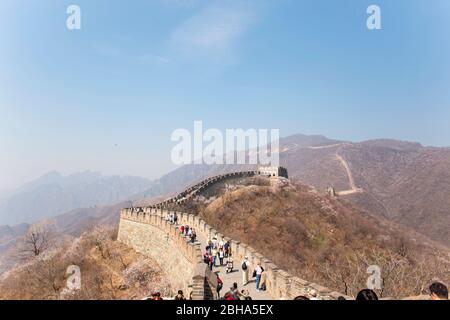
pixel 35 242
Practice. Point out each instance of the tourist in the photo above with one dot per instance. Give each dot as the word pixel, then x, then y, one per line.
pixel 262 282
pixel 438 291
pixel 219 285
pixel 214 255
pixel 214 243
pixel 245 295
pixel 313 295
pixel 229 296
pixel 301 298
pixel 221 256
pixel 156 296
pixel 226 248
pixel 211 262
pixel 175 218
pixel 186 230
pixel 193 235
pixel 180 296
pixel 229 264
pixel 182 229
pixel 235 292
pixel 245 266
pixel 257 273
pixel 221 244
pixel 366 294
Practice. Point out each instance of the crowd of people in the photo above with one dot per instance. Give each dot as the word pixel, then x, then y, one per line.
pixel 218 254
pixel 172 217
pixel 437 291
pixel 215 254
pixel 189 232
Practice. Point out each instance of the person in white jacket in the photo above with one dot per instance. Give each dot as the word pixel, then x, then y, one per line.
pixel 245 266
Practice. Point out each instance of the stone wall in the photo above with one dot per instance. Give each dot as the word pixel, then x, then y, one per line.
pixel 196 189
pixel 280 284
pixel 152 236
pixel 147 231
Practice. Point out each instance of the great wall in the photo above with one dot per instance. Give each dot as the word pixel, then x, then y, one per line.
pixel 146 230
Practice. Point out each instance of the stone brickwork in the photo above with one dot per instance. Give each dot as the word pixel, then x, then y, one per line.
pixel 151 235
pixel 196 189
pixel 146 230
pixel 273 171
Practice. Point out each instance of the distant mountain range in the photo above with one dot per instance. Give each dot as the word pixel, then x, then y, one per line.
pixel 53 194
pixel 402 181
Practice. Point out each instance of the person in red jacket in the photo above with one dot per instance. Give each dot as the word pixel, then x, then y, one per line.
pixel 211 262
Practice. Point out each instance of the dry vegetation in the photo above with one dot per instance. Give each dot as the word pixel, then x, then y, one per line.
pixel 109 270
pixel 326 240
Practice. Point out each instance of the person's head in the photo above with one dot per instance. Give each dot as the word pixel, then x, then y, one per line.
pixel 438 291
pixel 366 294
pixel 180 292
pixel 245 258
pixel 341 298
pixel 301 298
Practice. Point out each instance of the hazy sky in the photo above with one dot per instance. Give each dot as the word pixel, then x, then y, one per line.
pixel 108 96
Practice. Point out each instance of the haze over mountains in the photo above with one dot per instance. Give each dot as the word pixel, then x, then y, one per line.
pixel 54 194
pixel 402 181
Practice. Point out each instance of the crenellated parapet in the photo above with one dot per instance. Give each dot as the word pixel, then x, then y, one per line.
pixel 150 234
pixel 280 284
pixel 191 271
